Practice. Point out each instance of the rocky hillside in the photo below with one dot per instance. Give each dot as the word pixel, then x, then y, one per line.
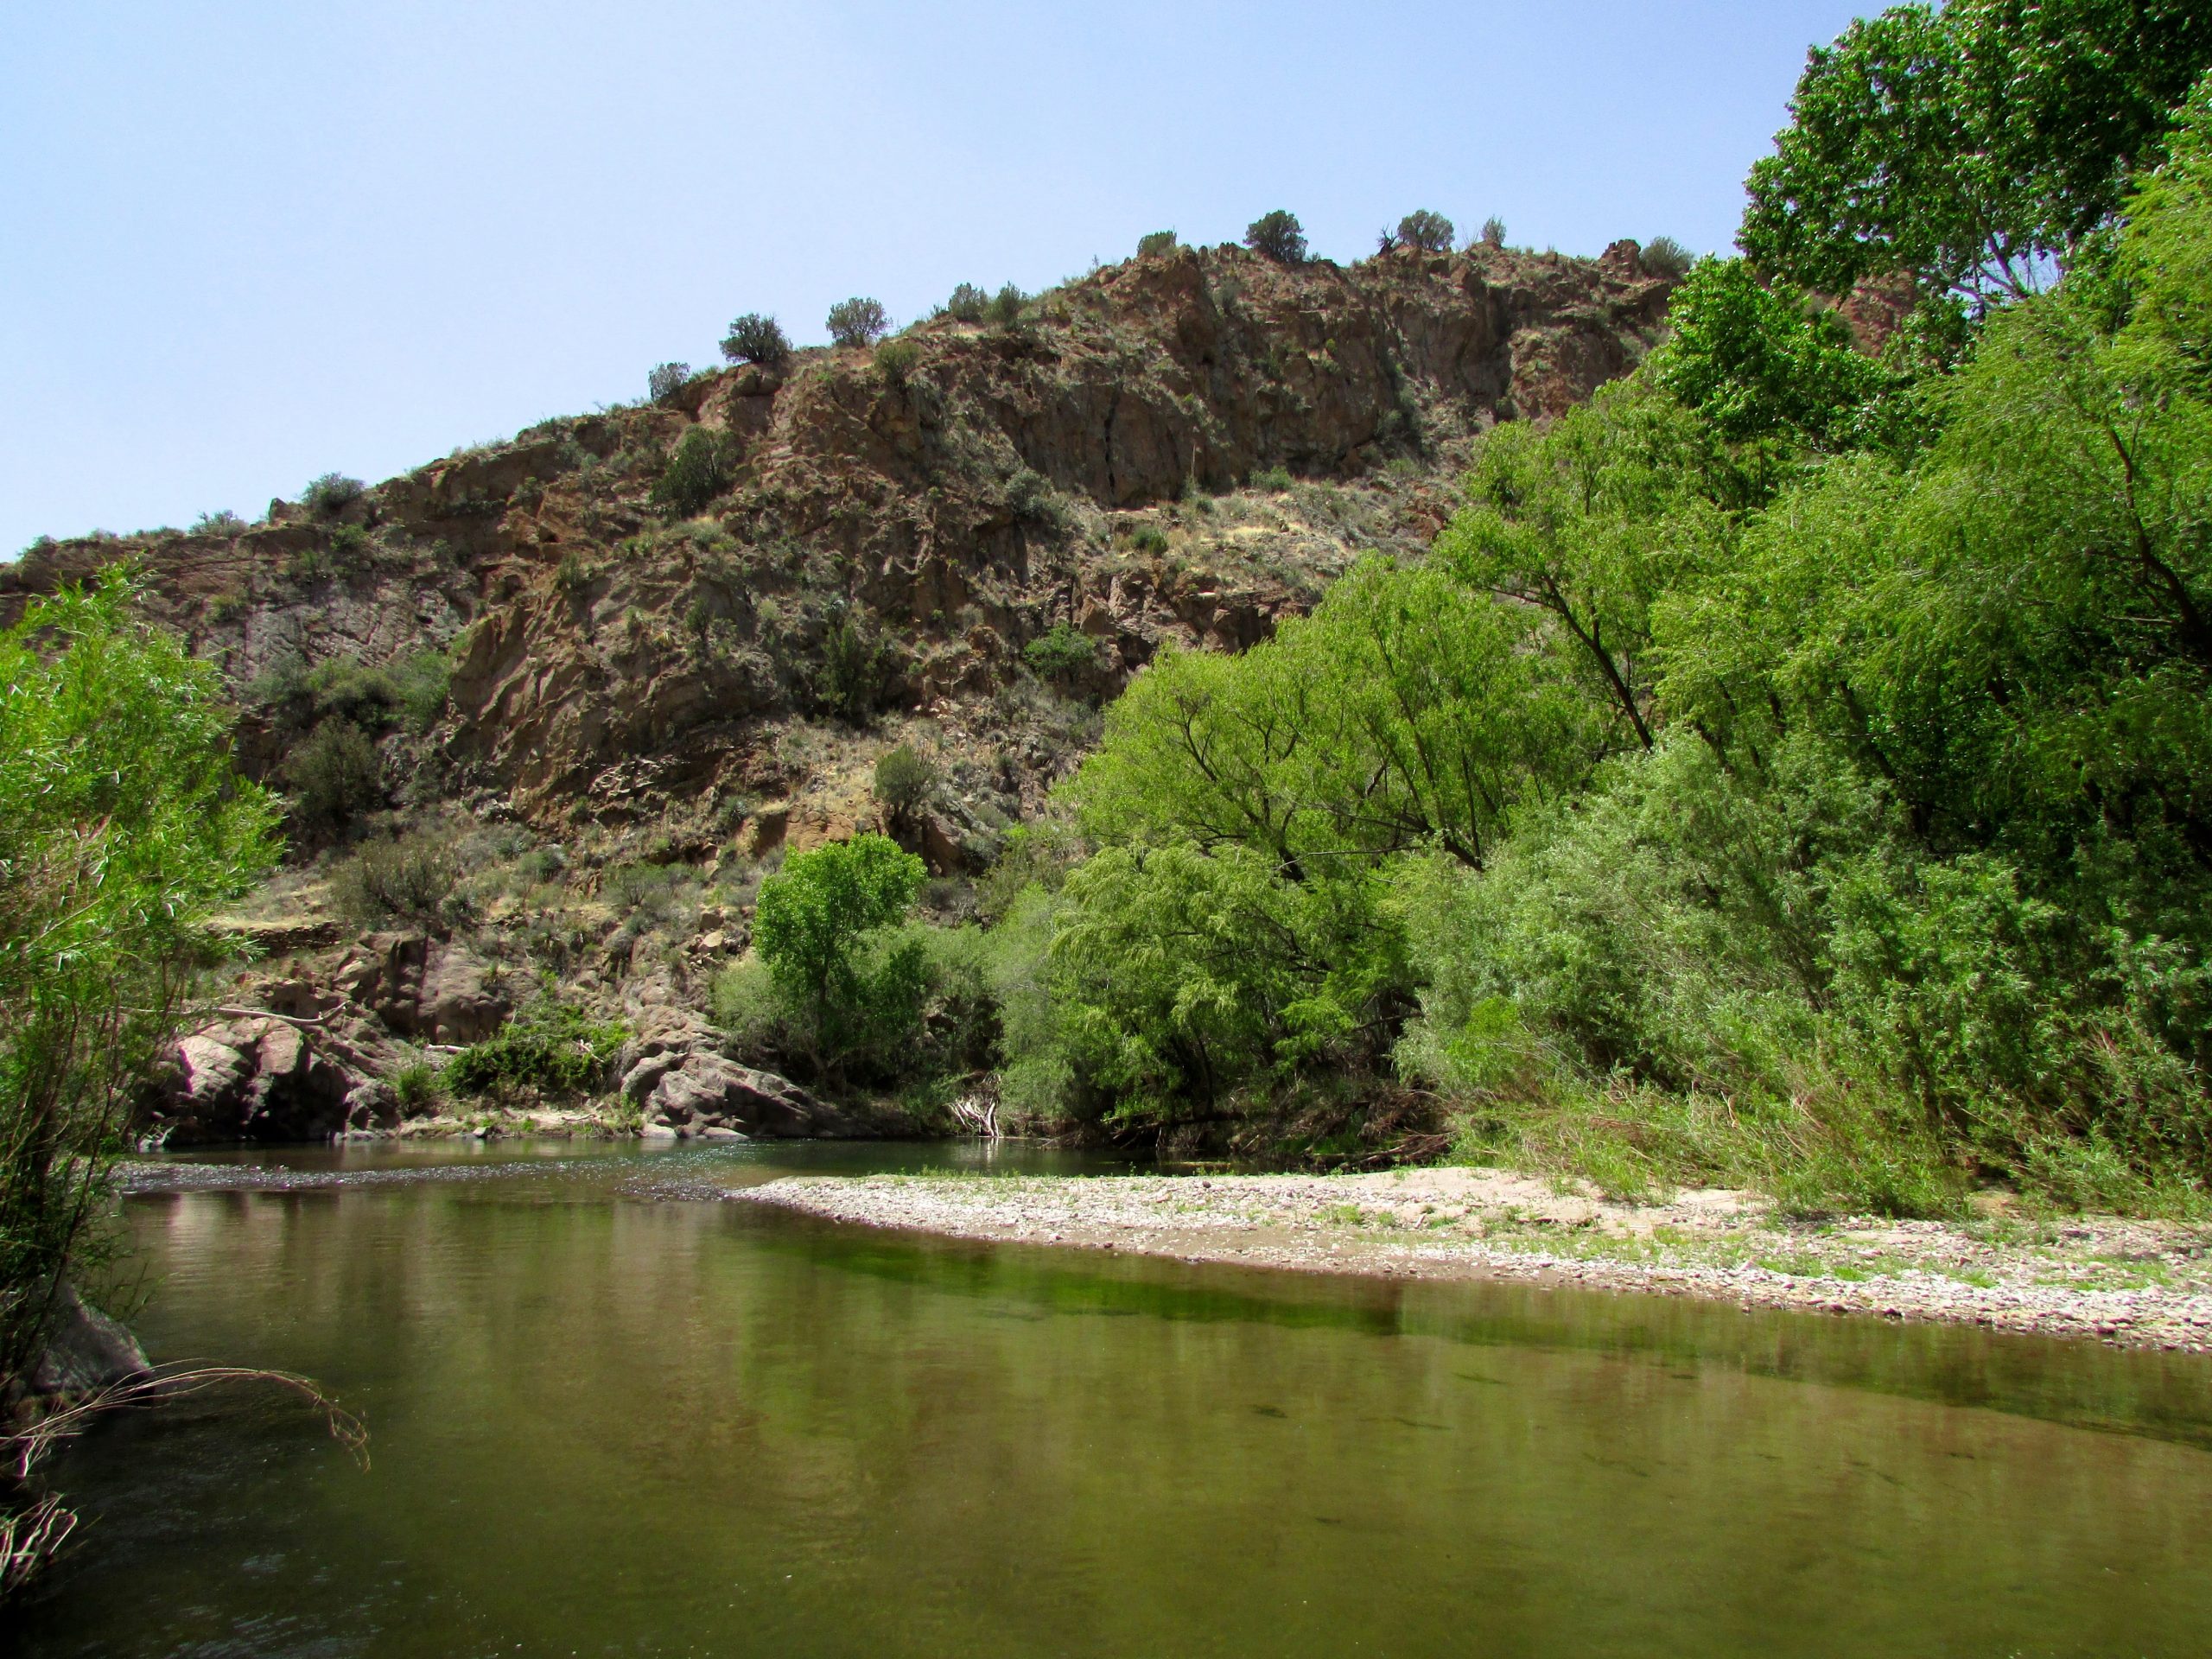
pixel 672 634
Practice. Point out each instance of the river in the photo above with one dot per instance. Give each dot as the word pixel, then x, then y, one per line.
pixel 612 1415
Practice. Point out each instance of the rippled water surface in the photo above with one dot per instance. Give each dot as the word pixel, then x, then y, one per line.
pixel 612 1414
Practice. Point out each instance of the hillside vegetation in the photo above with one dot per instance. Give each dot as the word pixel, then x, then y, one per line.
pixel 1742 721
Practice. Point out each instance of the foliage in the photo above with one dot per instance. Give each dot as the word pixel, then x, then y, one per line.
pixel 853 666
pixel 697 471
pixel 857 322
pixel 1006 306
pixel 904 778
pixel 1031 498
pixel 122 827
pixel 1965 146
pixel 551 1048
pixel 1153 244
pixel 409 878
pixel 756 338
pixel 332 493
pixel 895 361
pixel 666 379
pixel 1060 653
pixel 826 926
pixel 1425 230
pixel 1278 235
pixel 1758 363
pixel 1493 234
pixel 333 776
pixel 225 523
pixel 1664 257
pixel 967 303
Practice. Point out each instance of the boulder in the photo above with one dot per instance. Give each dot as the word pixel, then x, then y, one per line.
pixel 702 1091
pixel 261 1079
pixel 85 1351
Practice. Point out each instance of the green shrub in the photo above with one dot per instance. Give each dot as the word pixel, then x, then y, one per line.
pixel 226 523
pixel 1664 257
pixel 1149 538
pixel 331 493
pixel 335 776
pixel 666 379
pixel 1032 498
pixel 748 1009
pixel 857 322
pixel 696 472
pixel 1493 231
pixel 1060 654
pixel 1153 244
pixel 1006 306
pixel 410 879
pixel 1277 479
pixel 896 361
pixel 968 303
pixel 550 1049
pixel 420 1086
pixel 853 668
pixel 1425 230
pixel 755 339
pixel 1277 236
pixel 903 781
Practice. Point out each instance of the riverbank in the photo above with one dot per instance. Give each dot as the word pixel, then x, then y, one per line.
pixel 2125 1282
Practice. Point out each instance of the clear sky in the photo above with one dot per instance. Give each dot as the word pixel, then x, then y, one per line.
pixel 245 243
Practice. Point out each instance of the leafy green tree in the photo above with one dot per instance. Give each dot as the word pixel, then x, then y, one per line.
pixel 335 776
pixel 1761 365
pixel 753 338
pixel 123 826
pixel 824 924
pixel 1968 146
pixel 904 780
pixel 1153 244
pixel 1425 230
pixel 1591 521
pixel 1277 236
pixel 858 321
pixel 967 303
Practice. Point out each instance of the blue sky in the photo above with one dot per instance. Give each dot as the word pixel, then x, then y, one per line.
pixel 248 243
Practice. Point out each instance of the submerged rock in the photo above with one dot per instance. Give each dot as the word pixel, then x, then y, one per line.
pixel 85 1351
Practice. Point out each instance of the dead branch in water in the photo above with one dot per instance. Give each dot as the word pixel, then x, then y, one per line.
pixel 32 1533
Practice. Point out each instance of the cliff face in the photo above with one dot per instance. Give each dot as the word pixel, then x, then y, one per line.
pixel 883 531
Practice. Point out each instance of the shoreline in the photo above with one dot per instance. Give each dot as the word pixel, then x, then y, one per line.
pixel 2125 1283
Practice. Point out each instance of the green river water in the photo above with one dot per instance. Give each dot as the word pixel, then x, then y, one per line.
pixel 612 1414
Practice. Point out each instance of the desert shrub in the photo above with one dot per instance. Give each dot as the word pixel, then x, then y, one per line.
pixel 895 361
pixel 1493 231
pixel 748 1009
pixel 967 304
pixel 571 576
pixel 854 667
pixel 411 878
pixel 1060 654
pixel 857 322
pixel 1032 498
pixel 1006 306
pixel 225 523
pixel 333 775
pixel 666 379
pixel 755 339
pixel 332 493
pixel 1152 243
pixel 1664 257
pixel 1149 538
pixel 904 778
pixel 420 1086
pixel 1277 479
pixel 1429 233
pixel 697 471
pixel 551 1048
pixel 1277 236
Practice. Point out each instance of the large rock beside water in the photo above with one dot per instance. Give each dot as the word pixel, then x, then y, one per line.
pixel 260 1078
